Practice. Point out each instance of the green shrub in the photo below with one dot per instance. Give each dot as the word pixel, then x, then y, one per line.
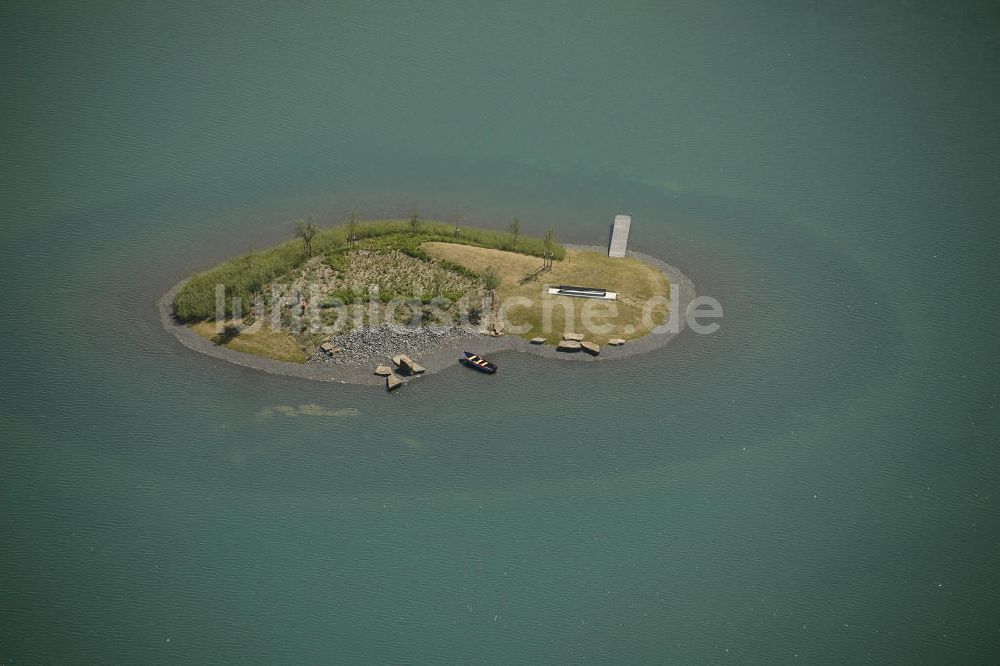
pixel 243 277
pixel 336 260
pixel 346 296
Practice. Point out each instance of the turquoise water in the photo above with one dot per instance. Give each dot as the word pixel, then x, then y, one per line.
pixel 815 482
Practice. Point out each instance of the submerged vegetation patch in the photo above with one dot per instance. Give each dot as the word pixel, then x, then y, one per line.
pixel 307 410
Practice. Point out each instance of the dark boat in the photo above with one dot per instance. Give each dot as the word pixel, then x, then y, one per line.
pixel 478 362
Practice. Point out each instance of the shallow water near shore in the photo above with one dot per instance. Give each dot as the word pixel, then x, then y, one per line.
pixel 814 482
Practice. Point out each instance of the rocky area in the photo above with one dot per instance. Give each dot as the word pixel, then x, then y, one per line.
pixel 374 345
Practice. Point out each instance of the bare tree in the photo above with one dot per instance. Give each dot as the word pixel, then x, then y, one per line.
pixel 548 242
pixel 352 230
pixel 491 280
pixel 515 231
pixel 306 231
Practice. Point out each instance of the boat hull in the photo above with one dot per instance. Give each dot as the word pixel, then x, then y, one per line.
pixel 479 363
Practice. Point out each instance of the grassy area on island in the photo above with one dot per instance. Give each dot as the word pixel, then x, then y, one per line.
pixel 294 294
pixel 293 297
pixel 249 275
pixel 631 316
pixel 259 340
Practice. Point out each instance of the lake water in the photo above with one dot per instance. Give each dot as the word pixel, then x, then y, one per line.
pixel 815 482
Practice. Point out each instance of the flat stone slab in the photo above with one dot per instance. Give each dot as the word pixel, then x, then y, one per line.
pixel 392 382
pixel 569 345
pixel 591 348
pixel 383 371
pixel 330 349
pixel 408 365
pixel 617 342
pixel 538 341
pixel 575 337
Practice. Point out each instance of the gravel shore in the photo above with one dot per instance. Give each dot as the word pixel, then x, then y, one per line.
pixel 372 346
pixel 434 348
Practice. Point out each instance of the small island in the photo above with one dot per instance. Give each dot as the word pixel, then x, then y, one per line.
pixel 339 302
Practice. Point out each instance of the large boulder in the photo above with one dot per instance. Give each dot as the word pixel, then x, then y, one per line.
pixel 591 348
pixel 569 346
pixel 407 365
pixel 538 341
pixel 575 337
pixel 330 349
pixel 383 371
pixel 617 342
pixel 392 382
